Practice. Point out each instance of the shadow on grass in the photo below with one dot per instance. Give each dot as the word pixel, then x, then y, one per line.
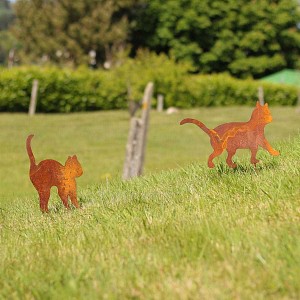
pixel 58 208
pixel 244 168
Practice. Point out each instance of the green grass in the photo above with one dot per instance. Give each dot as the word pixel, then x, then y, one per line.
pixel 190 233
pixel 185 233
pixel 99 141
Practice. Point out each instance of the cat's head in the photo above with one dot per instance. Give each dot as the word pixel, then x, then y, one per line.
pixel 74 166
pixel 262 114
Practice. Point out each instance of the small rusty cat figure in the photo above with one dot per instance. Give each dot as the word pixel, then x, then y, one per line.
pixel 239 135
pixel 49 173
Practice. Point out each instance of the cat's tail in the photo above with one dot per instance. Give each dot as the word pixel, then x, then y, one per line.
pixel 212 134
pixel 29 151
pixel 216 139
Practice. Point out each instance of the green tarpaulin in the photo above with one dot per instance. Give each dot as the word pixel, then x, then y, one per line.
pixel 285 76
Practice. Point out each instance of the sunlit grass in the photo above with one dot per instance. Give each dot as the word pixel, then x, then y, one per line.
pixel 99 141
pixel 190 233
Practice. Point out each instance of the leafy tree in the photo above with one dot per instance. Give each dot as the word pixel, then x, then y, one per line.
pixel 6 14
pixel 242 37
pixel 238 36
pixel 7 42
pixel 67 30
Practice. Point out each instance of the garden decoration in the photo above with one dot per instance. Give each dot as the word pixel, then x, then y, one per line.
pixel 239 135
pixel 49 173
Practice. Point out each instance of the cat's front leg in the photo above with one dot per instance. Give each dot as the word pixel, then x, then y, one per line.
pixel 269 148
pixel 63 196
pixel 73 196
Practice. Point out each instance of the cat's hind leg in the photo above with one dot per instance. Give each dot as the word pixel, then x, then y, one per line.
pixel 44 199
pixel 216 153
pixel 254 160
pixel 229 161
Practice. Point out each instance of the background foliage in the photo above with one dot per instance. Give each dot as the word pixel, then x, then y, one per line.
pixel 66 90
pixel 66 31
pixel 6 14
pixel 244 38
pixel 7 40
pixel 240 36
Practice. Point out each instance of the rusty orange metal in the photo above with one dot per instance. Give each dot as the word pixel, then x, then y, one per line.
pixel 49 173
pixel 239 135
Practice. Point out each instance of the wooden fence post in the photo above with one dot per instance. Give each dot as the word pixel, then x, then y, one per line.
pixel 136 144
pixel 160 103
pixel 144 128
pixel 131 145
pixel 11 58
pixel 261 95
pixel 32 105
pixel 298 103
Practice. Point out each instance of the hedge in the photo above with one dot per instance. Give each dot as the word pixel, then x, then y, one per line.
pixel 66 90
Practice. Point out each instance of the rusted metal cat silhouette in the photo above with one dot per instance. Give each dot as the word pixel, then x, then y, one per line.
pixel 49 173
pixel 239 135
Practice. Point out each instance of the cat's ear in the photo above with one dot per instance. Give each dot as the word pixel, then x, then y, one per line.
pixel 257 104
pixel 74 156
pixel 266 105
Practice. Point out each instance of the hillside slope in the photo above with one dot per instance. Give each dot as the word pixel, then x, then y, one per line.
pixel 191 233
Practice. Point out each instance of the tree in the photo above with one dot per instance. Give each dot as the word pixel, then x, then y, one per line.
pixel 7 42
pixel 238 36
pixel 6 14
pixel 67 30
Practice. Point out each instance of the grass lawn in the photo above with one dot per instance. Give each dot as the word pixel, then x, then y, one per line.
pixel 189 233
pixel 99 141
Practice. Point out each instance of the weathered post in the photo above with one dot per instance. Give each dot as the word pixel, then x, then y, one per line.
pixel 11 58
pixel 261 95
pixel 136 144
pixel 298 103
pixel 144 128
pixel 160 103
pixel 32 105
pixel 129 166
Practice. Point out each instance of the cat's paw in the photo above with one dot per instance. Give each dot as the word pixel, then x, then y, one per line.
pixel 255 161
pixel 275 152
pixel 211 164
pixel 232 165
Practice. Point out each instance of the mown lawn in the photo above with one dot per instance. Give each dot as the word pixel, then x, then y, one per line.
pixel 189 233
pixel 99 141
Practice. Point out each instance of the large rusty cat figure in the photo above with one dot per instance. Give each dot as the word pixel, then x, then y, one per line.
pixel 239 135
pixel 49 173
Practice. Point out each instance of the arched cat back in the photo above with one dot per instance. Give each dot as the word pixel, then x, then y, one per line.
pixel 49 173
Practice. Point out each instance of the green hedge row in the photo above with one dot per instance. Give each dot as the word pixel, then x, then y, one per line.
pixel 64 90
pixel 60 90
